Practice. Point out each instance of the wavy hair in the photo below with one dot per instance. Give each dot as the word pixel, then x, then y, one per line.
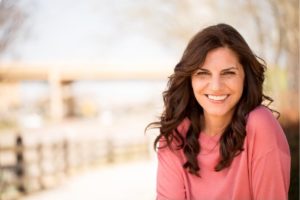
pixel 180 102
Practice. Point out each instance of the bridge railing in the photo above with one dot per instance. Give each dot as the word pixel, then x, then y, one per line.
pixel 26 168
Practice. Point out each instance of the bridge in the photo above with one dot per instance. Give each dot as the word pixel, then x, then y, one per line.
pixel 67 73
pixel 61 76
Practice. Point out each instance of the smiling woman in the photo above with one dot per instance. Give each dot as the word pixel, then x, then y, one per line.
pixel 217 86
pixel 217 140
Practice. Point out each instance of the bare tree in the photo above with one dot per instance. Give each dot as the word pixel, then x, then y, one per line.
pixel 286 17
pixel 273 26
pixel 172 23
pixel 11 18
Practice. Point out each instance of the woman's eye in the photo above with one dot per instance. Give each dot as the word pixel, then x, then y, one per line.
pixel 229 73
pixel 202 73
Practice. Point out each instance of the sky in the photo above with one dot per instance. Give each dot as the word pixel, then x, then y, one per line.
pixel 90 31
pixel 111 32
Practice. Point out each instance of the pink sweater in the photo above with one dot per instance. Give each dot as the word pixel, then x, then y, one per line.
pixel 260 172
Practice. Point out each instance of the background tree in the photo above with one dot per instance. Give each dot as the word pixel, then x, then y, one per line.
pixel 271 27
pixel 11 19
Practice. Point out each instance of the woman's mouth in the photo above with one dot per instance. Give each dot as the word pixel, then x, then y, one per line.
pixel 217 97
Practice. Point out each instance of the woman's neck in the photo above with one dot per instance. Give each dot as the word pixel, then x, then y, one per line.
pixel 215 125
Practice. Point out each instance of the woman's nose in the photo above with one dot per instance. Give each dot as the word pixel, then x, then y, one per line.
pixel 215 83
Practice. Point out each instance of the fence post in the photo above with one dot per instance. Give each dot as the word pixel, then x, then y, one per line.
pixel 110 151
pixel 66 157
pixel 20 171
pixel 40 161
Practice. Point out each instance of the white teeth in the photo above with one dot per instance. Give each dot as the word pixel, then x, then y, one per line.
pixel 217 98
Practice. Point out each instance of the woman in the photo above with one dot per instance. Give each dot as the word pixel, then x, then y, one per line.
pixel 217 140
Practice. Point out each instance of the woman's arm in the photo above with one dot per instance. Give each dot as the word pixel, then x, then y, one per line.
pixel 170 182
pixel 271 160
pixel 271 176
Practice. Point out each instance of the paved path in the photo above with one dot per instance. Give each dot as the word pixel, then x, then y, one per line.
pixel 129 181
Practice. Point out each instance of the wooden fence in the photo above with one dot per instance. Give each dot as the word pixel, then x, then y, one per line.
pixel 29 168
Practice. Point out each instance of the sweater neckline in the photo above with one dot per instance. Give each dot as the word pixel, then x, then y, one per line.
pixel 210 137
pixel 209 143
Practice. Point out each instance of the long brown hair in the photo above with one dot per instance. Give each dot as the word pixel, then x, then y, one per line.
pixel 180 102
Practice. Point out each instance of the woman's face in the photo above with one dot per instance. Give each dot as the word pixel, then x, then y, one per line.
pixel 218 83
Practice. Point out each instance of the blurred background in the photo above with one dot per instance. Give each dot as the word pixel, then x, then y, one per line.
pixel 80 80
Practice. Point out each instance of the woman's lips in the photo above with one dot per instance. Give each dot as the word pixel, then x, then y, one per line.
pixel 217 98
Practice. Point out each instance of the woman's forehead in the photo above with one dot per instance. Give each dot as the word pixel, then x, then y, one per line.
pixel 222 57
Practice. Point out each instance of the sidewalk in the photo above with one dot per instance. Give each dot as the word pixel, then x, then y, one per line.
pixel 129 181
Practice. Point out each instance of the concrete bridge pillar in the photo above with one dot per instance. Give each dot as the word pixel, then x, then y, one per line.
pixel 56 98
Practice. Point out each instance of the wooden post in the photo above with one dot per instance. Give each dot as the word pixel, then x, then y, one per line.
pixel 110 151
pixel 66 157
pixel 20 171
pixel 56 98
pixel 39 149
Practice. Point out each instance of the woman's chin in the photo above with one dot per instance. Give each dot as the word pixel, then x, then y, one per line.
pixel 219 113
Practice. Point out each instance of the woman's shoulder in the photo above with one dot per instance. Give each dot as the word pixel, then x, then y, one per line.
pixel 171 150
pixel 262 117
pixel 183 126
pixel 182 129
pixel 264 130
pixel 261 112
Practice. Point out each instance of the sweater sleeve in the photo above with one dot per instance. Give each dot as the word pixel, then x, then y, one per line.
pixel 170 183
pixel 271 176
pixel 270 157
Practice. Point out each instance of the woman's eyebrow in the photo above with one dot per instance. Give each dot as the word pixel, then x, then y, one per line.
pixel 230 68
pixel 226 69
pixel 203 69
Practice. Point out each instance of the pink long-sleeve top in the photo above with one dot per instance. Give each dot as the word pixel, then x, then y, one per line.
pixel 260 172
